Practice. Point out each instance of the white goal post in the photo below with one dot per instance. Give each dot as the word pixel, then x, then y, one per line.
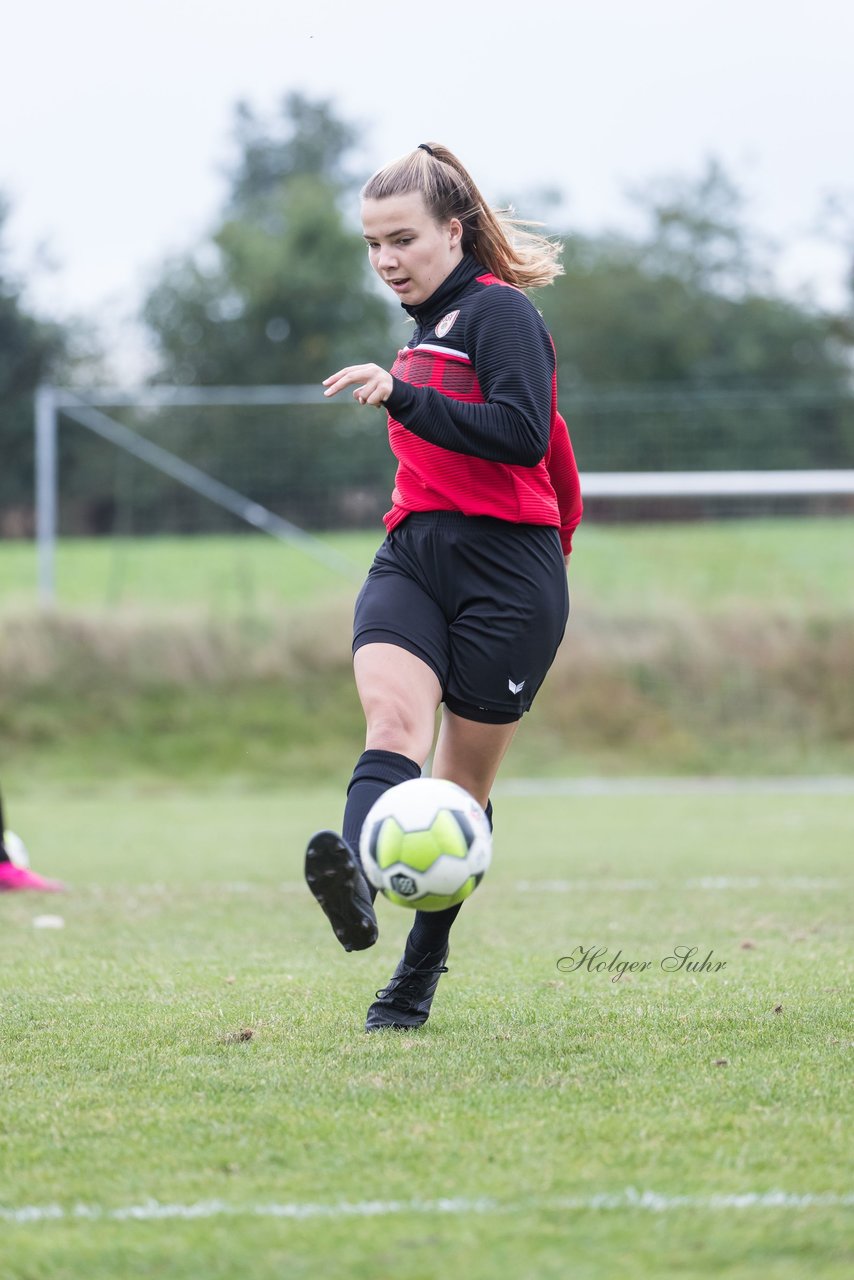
pixel 88 409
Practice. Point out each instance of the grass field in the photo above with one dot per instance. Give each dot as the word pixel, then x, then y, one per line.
pixel 795 565
pixel 568 1124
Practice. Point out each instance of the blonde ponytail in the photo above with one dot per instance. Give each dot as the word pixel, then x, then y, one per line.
pixel 503 243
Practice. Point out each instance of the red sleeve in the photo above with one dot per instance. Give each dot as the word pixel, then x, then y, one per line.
pixel 563 473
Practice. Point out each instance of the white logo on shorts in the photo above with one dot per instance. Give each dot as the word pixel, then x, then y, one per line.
pixel 515 688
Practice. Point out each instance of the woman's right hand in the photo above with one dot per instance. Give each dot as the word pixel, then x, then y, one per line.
pixel 373 384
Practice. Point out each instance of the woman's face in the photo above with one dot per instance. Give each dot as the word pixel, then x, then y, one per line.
pixel 410 251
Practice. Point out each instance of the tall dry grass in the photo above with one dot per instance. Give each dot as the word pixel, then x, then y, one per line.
pixel 140 649
pixel 677 691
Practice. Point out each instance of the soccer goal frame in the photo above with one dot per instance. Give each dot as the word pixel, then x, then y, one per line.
pixel 88 408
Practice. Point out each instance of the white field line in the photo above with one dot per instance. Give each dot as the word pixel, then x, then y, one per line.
pixel 697 884
pixel 630 1198
pixel 701 884
pixel 675 786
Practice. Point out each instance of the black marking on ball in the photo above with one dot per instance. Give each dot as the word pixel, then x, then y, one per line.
pixel 464 826
pixel 375 839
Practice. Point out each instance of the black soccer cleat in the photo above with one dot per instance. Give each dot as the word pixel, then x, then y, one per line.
pixel 335 878
pixel 405 1002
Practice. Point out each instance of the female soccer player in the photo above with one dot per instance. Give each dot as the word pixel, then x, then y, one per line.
pixel 14 876
pixel 466 601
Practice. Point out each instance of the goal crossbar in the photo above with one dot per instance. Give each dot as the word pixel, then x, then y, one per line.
pixel 714 484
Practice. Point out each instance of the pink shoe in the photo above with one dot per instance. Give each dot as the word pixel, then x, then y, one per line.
pixel 12 877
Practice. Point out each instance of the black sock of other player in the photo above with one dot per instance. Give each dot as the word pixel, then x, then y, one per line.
pixel 429 934
pixel 374 773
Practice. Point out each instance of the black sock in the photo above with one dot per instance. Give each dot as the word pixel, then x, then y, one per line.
pixel 374 773
pixel 429 934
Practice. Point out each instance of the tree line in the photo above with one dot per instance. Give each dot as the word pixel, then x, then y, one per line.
pixel 674 347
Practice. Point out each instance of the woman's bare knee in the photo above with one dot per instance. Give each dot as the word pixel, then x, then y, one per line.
pixel 394 723
pixel 395 727
pixel 399 695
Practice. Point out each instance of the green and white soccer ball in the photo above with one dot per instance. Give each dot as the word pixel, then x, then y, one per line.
pixel 426 844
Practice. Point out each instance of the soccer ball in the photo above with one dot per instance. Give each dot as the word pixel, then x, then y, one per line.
pixel 426 844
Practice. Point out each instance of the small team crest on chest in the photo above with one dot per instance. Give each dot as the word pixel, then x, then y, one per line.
pixel 446 324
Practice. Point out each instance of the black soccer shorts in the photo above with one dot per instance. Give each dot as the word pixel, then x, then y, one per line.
pixel 482 601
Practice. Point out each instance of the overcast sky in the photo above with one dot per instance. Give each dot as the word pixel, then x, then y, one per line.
pixel 115 119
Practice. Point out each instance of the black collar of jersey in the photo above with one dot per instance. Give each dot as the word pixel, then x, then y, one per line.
pixel 450 289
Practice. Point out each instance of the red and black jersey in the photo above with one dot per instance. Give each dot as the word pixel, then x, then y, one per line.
pixel 473 418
